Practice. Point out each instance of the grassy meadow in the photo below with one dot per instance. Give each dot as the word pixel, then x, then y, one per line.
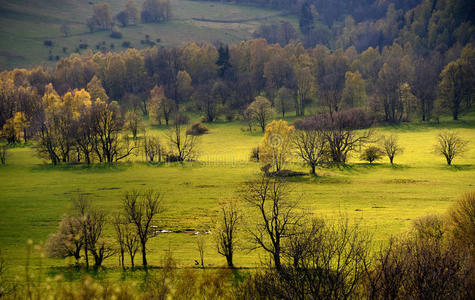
pixel 26 24
pixel 384 199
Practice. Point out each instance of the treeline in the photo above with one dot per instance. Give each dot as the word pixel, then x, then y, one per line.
pixel 152 11
pixel 308 257
pixel 393 84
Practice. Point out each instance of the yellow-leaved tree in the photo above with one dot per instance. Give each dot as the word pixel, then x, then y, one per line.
pixel 275 147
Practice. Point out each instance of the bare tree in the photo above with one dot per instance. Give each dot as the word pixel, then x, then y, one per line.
pixel 97 245
pixel 140 209
pixel 391 147
pixel 184 146
pixel 127 238
pixel 450 145
pixel 153 149
pixel 226 231
pixel 118 223
pixel 131 242
pixel 200 243
pixel 268 196
pixel 311 145
pixel 68 241
pixel 81 207
pixel 344 131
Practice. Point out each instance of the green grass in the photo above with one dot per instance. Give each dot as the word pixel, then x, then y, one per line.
pixel 34 195
pixel 25 24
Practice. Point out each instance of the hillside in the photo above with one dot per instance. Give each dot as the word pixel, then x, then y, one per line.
pixel 26 24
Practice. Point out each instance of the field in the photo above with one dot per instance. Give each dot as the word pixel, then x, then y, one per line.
pixel 26 24
pixel 384 199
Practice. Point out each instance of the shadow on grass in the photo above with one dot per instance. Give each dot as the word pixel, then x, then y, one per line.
pixel 79 167
pixel 456 168
pixel 467 122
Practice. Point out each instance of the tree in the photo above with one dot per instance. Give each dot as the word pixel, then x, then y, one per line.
pixel 159 105
pixel 156 11
pixel 456 87
pixel 268 197
pixel 127 238
pixel 340 130
pixel 305 89
pixel 102 17
pixel 111 146
pixel 68 241
pixel 261 111
pixel 183 146
pixel 81 207
pixel 306 18
pixel 140 210
pixel 200 243
pixel 118 224
pixel 96 90
pixel 122 18
pixel 132 12
pixel 391 147
pixel 94 223
pixel 226 230
pixel 133 122
pixel 283 101
pixel 153 149
pixel 371 154
pixel 3 154
pixel 276 144
pixel 14 128
pixel 450 145
pixel 354 93
pixel 311 145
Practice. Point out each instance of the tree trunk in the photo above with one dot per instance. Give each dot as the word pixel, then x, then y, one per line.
pixel 144 255
pixel 229 259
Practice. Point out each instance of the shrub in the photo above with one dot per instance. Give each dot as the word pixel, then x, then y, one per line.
pixel 48 43
pixel 254 154
pixel 116 35
pixel 429 227
pixel 461 220
pixel 171 157
pixel 83 46
pixel 197 128
pixel 229 117
pixel 126 44
pixel 371 154
pixel 182 119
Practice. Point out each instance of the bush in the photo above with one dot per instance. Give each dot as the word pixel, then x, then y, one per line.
pixel 182 119
pixel 254 154
pixel 371 154
pixel 83 46
pixel 429 227
pixel 197 128
pixel 116 35
pixel 126 44
pixel 171 157
pixel 48 43
pixel 461 221
pixel 229 117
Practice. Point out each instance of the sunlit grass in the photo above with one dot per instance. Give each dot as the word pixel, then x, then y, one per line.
pixel 385 199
